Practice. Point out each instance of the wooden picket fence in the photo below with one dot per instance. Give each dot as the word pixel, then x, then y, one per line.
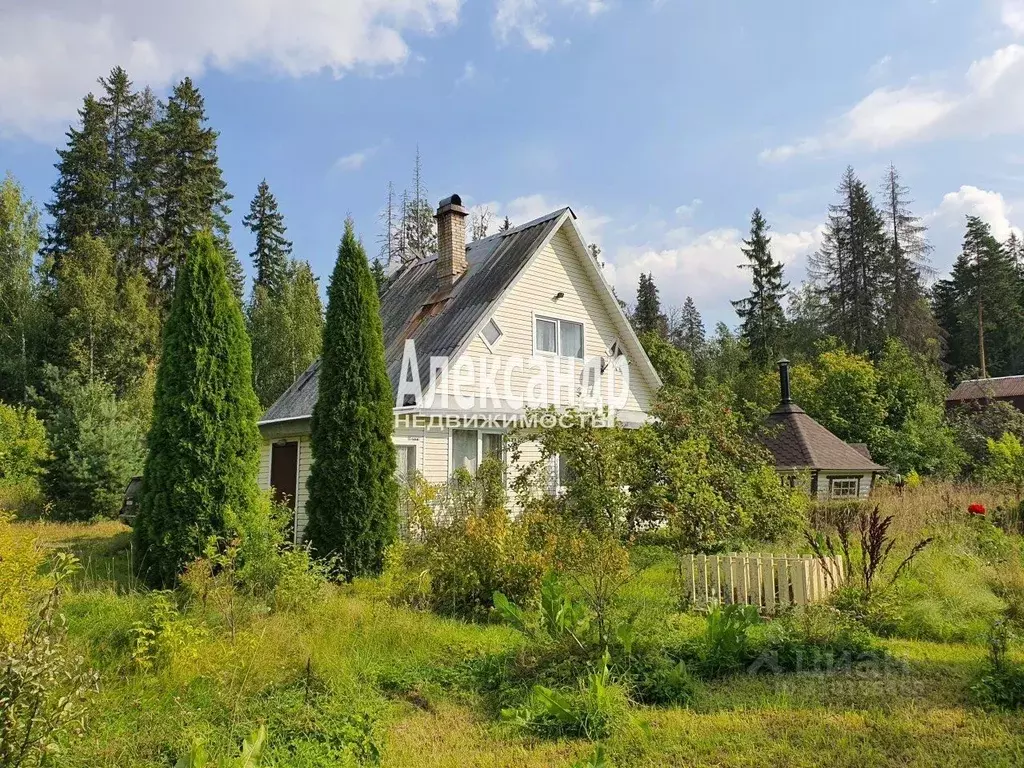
pixel 765 580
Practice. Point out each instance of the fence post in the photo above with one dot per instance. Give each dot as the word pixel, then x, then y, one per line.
pixel 799 578
pixel 768 572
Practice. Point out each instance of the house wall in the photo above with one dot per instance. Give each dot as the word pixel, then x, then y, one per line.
pixel 556 269
pixel 305 462
pixel 866 483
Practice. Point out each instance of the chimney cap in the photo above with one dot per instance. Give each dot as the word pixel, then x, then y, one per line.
pixel 783 361
pixel 451 204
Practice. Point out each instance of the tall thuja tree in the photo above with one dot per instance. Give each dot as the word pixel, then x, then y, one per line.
pixel 81 194
pixel 19 305
pixel 647 316
pixel 272 249
pixel 849 270
pixel 979 306
pixel 907 314
pixel 763 318
pixel 203 444
pixel 192 194
pixel 352 492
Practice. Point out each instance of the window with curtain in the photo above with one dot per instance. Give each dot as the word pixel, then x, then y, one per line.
pixel 465 450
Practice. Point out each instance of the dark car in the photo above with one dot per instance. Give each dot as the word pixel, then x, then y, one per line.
pixel 132 497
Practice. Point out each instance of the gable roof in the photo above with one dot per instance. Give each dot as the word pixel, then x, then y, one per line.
pixel 985 389
pixel 799 442
pixel 442 321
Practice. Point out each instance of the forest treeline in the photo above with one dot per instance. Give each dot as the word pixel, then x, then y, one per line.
pixel 84 300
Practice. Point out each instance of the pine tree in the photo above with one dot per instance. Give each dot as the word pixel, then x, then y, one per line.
pixel 352 493
pixel 19 299
pixel 647 317
pixel 193 196
pixel 270 256
pixel 81 194
pixel 907 316
pixel 689 334
pixel 849 270
pixel 204 443
pixel 979 306
pixel 764 320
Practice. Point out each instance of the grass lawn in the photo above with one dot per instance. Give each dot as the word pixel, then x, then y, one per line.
pixel 355 681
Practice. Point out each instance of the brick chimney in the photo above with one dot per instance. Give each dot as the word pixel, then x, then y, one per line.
pixel 451 241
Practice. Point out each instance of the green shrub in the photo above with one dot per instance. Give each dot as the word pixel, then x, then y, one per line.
pixel 815 638
pixel 44 688
pixel 251 755
pixel 23 453
pixel 165 636
pixel 590 711
pixel 726 642
pixel 405 580
pixel 1002 684
pixel 97 445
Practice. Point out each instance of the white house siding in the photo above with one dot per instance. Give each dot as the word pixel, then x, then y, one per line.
pixel 556 269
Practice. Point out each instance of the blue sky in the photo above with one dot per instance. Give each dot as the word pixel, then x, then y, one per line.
pixel 662 122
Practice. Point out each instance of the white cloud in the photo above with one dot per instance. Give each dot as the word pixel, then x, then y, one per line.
pixel 527 19
pixel 881 67
pixel 988 100
pixel 468 74
pixel 991 207
pixel 355 160
pixel 704 265
pixel 687 210
pixel 52 51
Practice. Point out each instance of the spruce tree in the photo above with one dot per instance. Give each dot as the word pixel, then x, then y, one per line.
pixel 907 316
pixel 270 255
pixel 762 315
pixel 204 443
pixel 81 194
pixel 689 334
pixel 121 107
pixel 418 225
pixel 849 270
pixel 647 317
pixel 505 225
pixel 352 492
pixel 192 194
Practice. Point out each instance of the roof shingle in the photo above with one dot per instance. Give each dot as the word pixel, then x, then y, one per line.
pixel 984 389
pixel 799 442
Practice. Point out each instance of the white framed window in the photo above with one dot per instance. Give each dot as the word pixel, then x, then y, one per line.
pixel 471 446
pixel 406 467
pixel 491 334
pixel 558 337
pixel 843 487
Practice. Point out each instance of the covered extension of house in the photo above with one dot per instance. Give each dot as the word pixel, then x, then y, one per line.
pixel 1009 389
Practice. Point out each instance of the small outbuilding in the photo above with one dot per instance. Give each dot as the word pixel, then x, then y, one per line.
pixel 805 451
pixel 980 392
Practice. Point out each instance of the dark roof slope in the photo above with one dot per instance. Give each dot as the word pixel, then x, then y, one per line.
pixel 799 442
pixel 438 321
pixel 984 389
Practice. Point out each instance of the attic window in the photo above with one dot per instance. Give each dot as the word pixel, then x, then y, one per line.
pixel 491 333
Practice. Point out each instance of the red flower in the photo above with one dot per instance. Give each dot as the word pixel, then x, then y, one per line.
pixel 977 509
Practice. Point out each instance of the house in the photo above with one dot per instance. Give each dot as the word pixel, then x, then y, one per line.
pixel 477 337
pixel 804 448
pixel 981 391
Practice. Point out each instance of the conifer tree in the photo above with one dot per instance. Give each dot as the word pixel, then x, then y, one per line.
pixel 907 315
pixel 418 225
pixel 647 317
pixel 269 328
pixel 204 443
pixel 689 334
pixel 305 318
pixel 762 315
pixel 121 107
pixel 390 240
pixel 270 255
pixel 979 306
pixel 192 195
pixel 81 194
pixel 849 270
pixel 352 492
pixel 506 225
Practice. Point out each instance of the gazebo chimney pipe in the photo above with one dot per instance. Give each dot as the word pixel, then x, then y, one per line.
pixel 784 380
